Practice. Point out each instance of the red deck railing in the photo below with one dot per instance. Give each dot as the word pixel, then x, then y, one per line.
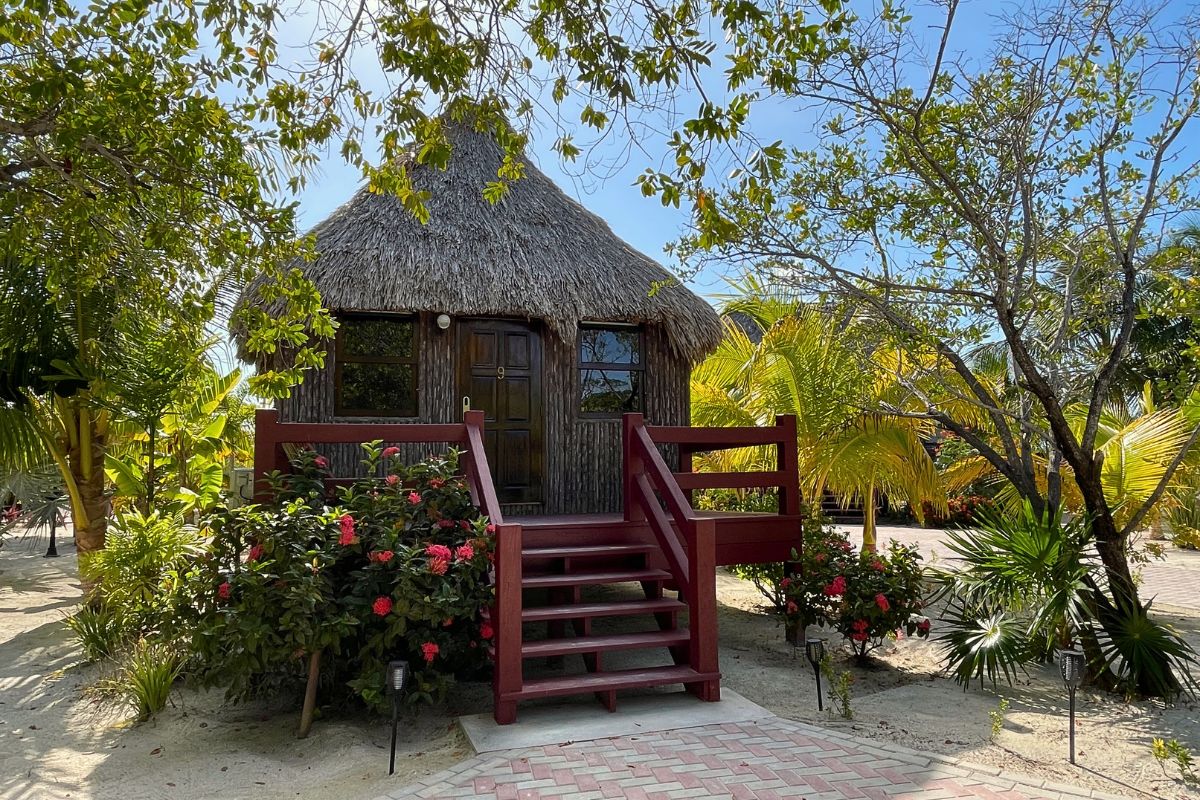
pixel 687 539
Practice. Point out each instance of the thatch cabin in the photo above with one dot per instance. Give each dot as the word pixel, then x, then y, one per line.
pixel 531 309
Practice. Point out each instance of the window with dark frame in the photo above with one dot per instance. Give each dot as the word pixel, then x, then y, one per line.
pixel 375 373
pixel 610 370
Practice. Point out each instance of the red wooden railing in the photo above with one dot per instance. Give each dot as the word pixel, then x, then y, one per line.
pixel 687 539
pixel 270 435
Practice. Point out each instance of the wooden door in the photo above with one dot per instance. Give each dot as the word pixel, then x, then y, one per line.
pixel 500 370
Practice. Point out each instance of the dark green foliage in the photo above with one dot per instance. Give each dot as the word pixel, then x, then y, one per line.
pixel 98 630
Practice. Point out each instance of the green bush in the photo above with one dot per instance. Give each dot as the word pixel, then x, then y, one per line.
pixel 398 568
pixel 866 597
pixel 145 679
pixel 98 630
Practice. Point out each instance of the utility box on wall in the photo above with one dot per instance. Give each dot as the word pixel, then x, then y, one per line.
pixel 241 486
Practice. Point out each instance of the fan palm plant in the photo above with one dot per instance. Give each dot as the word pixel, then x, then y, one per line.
pixel 805 364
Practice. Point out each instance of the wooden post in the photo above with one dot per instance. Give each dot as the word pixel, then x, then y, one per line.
pixel 788 462
pixel 508 678
pixel 702 607
pixel 266 450
pixel 310 695
pixel 631 465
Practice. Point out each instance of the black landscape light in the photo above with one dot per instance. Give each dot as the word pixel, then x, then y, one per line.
pixel 815 650
pixel 1070 664
pixel 397 679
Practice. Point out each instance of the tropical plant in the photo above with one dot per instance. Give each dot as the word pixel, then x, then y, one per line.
pixel 145 678
pixel 99 631
pixel 1025 585
pixel 831 376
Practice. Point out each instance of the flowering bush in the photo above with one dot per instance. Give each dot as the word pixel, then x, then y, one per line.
pixel 866 597
pixel 397 568
pixel 961 511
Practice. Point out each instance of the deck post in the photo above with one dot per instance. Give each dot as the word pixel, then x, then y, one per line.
pixel 631 465
pixel 508 679
pixel 788 462
pixel 702 608
pixel 266 451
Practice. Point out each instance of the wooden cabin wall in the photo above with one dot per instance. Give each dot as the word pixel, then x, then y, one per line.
pixel 583 455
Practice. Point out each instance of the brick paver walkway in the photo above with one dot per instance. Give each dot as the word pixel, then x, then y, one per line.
pixel 764 760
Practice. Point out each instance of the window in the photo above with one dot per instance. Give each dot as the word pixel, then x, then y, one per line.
pixel 376 368
pixel 610 370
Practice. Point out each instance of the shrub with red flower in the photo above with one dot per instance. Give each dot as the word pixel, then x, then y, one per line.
pixel 389 452
pixel 865 597
pixel 392 594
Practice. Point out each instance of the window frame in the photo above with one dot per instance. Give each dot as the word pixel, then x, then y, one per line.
pixel 638 367
pixel 341 357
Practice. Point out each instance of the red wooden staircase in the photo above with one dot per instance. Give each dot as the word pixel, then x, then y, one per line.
pixel 555 574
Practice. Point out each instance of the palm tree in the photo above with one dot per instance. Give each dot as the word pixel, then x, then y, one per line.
pixel 795 360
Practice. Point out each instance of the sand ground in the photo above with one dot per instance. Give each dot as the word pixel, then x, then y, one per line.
pixel 58 741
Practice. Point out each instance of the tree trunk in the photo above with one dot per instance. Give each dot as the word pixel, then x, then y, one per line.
pixel 87 471
pixel 869 537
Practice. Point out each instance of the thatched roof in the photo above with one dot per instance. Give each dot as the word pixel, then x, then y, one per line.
pixel 537 254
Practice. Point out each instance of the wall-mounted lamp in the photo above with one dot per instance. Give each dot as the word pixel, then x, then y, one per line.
pixel 443 321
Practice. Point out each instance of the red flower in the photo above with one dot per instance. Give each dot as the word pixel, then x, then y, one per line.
pixel 792 608
pixel 464 553
pixel 414 498
pixel 224 590
pixel 429 650
pixel 846 546
pixel 380 556
pixel 392 480
pixel 447 622
pixel 321 462
pixel 388 452
pixel 882 602
pixel 859 625
pixel 819 558
pixel 485 631
pixel 436 483
pixel 837 587
pixel 347 523
pixel 382 606
pixel 785 583
pixel 438 566
pixel 923 626
pixel 255 553
pixel 466 526
pixel 490 528
pixel 445 523
pixel 438 551
pixel 859 637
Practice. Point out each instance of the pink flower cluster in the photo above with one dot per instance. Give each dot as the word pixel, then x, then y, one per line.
pixel 439 558
pixel 347 538
pixel 388 452
pixel 382 606
pixel 380 556
pixel 882 601
pixel 429 652
pixel 837 587
pixel 255 553
pixel 860 630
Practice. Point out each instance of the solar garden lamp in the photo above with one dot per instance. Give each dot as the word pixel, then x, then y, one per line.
pixel 1070 664
pixel 814 649
pixel 397 679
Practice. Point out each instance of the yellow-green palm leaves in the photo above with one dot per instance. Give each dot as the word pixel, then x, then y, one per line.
pixel 805 364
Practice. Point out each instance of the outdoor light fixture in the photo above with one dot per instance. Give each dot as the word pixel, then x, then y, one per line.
pixel 397 679
pixel 443 321
pixel 1070 663
pixel 815 650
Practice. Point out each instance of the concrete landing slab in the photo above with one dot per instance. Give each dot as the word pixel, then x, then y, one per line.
pixel 585 719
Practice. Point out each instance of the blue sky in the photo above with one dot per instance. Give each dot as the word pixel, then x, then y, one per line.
pixel 644 222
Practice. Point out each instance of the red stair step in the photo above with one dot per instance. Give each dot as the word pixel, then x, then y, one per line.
pixel 616 608
pixel 595 644
pixel 602 681
pixel 592 578
pixel 588 551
